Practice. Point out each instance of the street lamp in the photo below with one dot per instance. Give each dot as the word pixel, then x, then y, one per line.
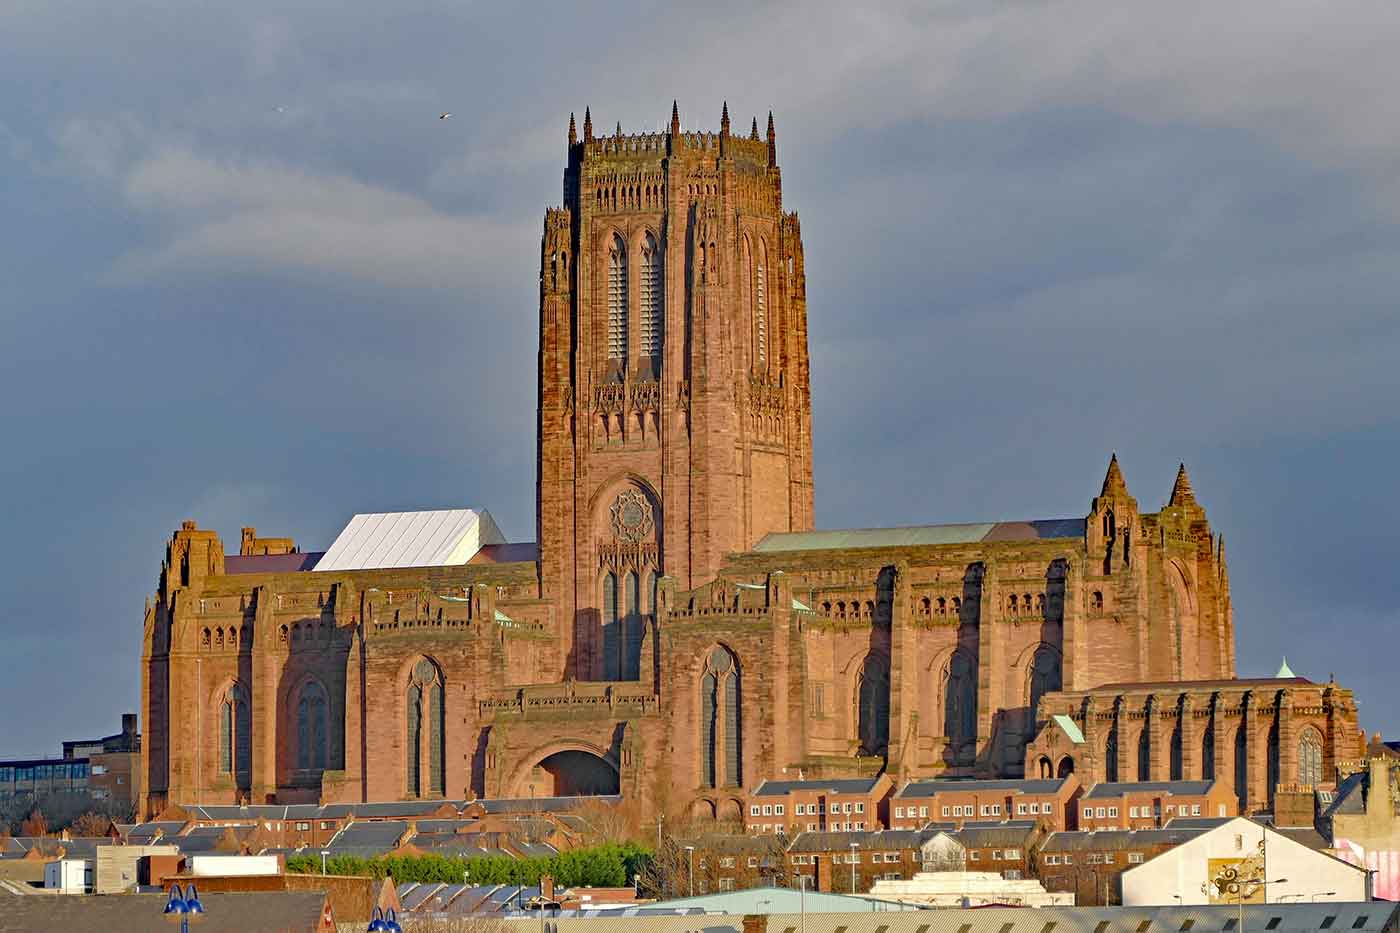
pixel 854 846
pixel 382 921
pixel 324 853
pixel 691 850
pixel 802 901
pixel 1240 897
pixel 179 908
pixel 1322 894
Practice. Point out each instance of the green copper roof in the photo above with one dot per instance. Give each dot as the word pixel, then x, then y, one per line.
pixel 917 535
pixel 1285 670
pixel 1070 727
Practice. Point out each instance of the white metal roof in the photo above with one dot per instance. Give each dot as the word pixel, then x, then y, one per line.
pixel 439 538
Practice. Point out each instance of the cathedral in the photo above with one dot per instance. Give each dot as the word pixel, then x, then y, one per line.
pixel 678 631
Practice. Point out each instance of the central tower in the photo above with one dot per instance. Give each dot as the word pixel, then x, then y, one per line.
pixel 674 401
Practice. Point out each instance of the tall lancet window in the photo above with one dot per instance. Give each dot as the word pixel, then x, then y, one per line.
pixel 425 721
pixel 617 299
pixel 760 304
pixel 721 744
pixel 311 726
pixel 651 298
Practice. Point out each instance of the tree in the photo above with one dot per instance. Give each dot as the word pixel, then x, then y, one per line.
pixel 34 824
pixel 90 824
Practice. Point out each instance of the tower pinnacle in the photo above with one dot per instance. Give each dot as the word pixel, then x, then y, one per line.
pixel 573 132
pixel 753 133
pixel 772 142
pixel 1113 480
pixel 724 120
pixel 587 125
pixel 1182 494
pixel 675 119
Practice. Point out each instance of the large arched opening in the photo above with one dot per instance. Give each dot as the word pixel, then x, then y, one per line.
pixel 575 773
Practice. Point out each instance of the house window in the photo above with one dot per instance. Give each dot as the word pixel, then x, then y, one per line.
pixel 753 810
pixel 778 809
pixel 1020 809
pixel 860 808
pixel 303 827
pixel 1134 858
pixel 1133 812
pixel 946 811
pixel 1112 811
pixel 899 813
pixel 767 809
pixel 1088 813
pixel 1052 860
pixel 923 812
pixel 1195 809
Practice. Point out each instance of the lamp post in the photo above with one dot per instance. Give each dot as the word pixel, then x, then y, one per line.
pixel 854 847
pixel 324 853
pixel 179 908
pixel 802 902
pixel 1322 894
pixel 1239 899
pixel 691 851
pixel 384 921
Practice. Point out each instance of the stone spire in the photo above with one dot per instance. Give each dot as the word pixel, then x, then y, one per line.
pixel 753 133
pixel 587 125
pixel 772 142
pixel 724 120
pixel 675 119
pixel 1113 482
pixel 619 129
pixel 573 131
pixel 1181 489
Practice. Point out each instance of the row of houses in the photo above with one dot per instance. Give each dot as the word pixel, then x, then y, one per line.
pixel 860 804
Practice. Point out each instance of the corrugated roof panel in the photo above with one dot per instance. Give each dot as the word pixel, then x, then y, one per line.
pixel 439 538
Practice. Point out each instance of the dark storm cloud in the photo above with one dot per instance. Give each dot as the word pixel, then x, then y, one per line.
pixel 249 278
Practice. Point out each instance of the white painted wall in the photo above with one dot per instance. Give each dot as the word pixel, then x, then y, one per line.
pixel 221 865
pixel 68 875
pixel 1180 875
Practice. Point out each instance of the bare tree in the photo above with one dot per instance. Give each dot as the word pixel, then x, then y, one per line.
pixel 90 824
pixel 34 824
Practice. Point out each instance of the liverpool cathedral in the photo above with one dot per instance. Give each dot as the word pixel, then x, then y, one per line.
pixel 678 630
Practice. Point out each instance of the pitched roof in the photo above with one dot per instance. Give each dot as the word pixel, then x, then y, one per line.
pixel 1116 839
pixel 879 839
pixel 930 788
pixel 1108 789
pixel 438 538
pixel 140 913
pixel 272 563
pixel 922 535
pixel 838 786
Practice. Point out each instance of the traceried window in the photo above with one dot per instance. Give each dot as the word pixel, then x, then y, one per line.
pixel 721 743
pixel 1044 675
pixel 960 699
pixel 612 621
pixel 760 304
pixel 651 298
pixel 1310 758
pixel 311 726
pixel 617 299
pixel 425 721
pixel 873 704
pixel 235 734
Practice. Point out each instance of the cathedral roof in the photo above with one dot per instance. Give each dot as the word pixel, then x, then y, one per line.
pixel 918 535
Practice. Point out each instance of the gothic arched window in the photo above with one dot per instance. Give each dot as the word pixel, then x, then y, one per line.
pixel 1044 675
pixel 721 744
pixel 960 700
pixel 311 726
pixel 611 621
pixel 651 298
pixel 1176 763
pixel 873 705
pixel 1144 755
pixel 1110 757
pixel 1310 758
pixel 235 733
pixel 631 665
pixel 425 720
pixel 617 299
pixel 1208 754
pixel 760 305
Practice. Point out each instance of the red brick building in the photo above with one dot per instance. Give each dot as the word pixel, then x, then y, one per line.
pixel 1049 802
pixel 850 805
pixel 677 629
pixel 1152 804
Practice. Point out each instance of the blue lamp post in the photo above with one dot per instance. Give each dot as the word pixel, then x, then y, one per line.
pixel 182 905
pixel 382 921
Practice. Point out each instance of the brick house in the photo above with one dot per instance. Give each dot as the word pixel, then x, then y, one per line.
pixel 1048 801
pixel 1090 864
pixel 852 805
pixel 1151 804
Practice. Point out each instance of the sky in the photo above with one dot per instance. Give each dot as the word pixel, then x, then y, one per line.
pixel 248 277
